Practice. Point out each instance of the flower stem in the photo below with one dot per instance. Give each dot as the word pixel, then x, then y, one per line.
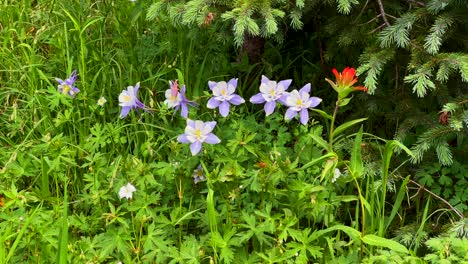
pixel 332 125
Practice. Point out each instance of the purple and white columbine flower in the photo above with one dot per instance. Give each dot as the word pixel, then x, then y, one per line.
pixel 198 174
pixel 300 102
pixel 270 92
pixel 176 99
pixel 66 87
pixel 128 100
pixel 223 96
pixel 198 132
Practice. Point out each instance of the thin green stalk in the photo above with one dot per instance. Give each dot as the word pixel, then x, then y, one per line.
pixel 332 125
pixel 363 219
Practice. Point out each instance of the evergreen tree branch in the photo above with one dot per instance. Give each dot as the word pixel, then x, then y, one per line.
pixel 382 12
pixel 421 4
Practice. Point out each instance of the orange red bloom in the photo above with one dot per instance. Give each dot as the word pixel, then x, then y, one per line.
pixel 345 81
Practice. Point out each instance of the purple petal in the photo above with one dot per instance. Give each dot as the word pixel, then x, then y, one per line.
pixel 212 84
pixel 305 89
pixel 283 98
pixel 135 89
pixel 195 147
pixel 224 109
pixel 124 112
pixel 190 103
pixel 314 101
pixel 233 82
pixel 304 116
pixel 184 111
pixel 140 105
pixel 265 79
pixel 236 100
pixel 182 91
pixel 191 123
pixel 60 81
pixel 213 103
pixel 257 99
pixel 290 114
pixel 212 139
pixel 270 107
pixel 183 139
pixel 285 83
pixel 73 75
pixel 211 124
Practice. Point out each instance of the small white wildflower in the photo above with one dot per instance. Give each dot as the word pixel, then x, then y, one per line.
pixel 336 175
pixel 101 101
pixel 127 191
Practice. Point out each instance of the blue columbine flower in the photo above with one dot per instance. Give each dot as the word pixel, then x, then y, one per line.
pixel 270 92
pixel 66 87
pixel 223 96
pixel 128 100
pixel 198 132
pixel 300 102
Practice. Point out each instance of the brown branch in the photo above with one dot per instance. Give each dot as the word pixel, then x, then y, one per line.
pixel 438 197
pixel 375 29
pixel 416 2
pixel 382 11
pixel 370 20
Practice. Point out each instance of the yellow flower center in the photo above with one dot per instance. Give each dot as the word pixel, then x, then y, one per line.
pixel 299 102
pixel 198 134
pixel 66 89
pixel 126 98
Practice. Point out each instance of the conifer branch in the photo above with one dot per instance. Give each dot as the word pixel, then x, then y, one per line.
pixel 382 12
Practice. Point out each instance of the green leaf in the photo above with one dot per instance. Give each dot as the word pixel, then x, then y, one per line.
pixel 356 165
pixel 344 101
pixel 318 160
pixel 320 141
pixel 323 113
pixel 397 204
pixel 374 240
pixel 446 181
pixel 351 232
pixel 347 125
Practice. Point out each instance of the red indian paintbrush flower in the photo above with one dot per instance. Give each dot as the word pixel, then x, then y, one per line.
pixel 345 81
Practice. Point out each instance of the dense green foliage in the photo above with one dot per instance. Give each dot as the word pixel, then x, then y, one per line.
pixel 335 190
